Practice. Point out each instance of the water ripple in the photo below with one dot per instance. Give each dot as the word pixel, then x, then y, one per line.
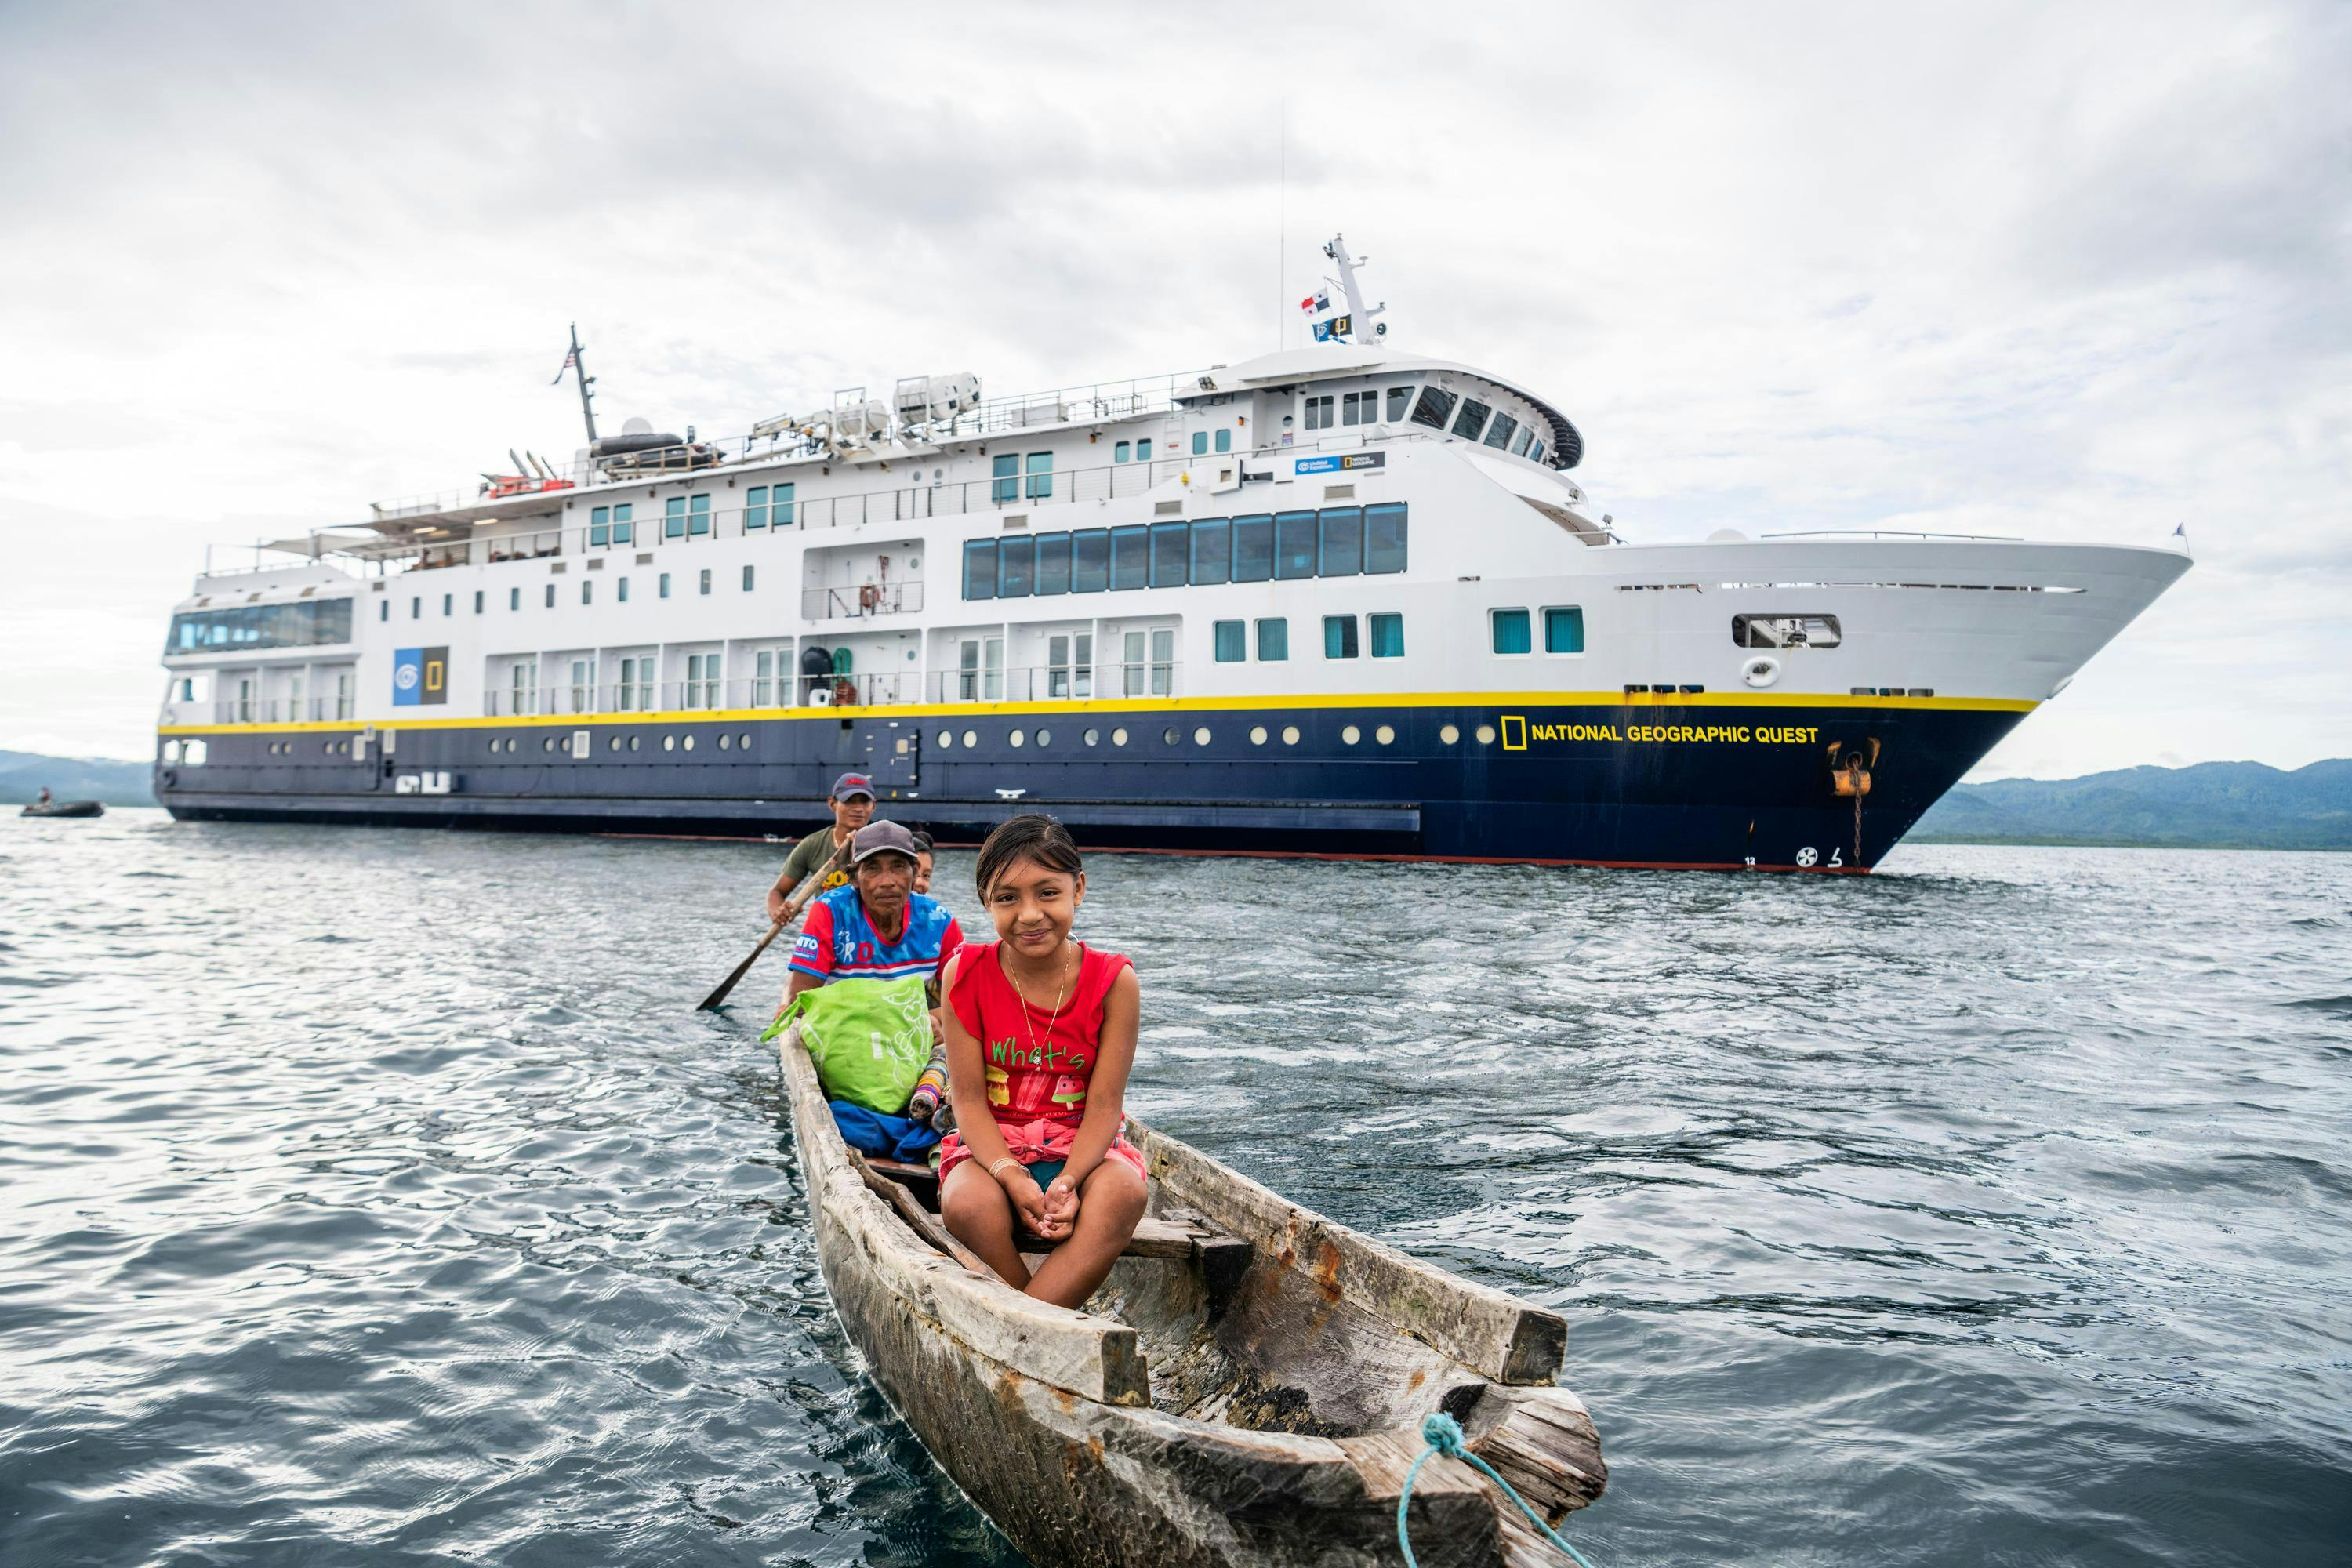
pixel 379 1196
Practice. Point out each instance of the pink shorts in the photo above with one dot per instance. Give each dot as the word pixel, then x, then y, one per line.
pixel 1032 1143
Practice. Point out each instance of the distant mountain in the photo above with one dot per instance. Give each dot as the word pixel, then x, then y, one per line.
pixel 22 774
pixel 2217 805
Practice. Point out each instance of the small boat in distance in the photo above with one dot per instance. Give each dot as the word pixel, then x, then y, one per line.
pixel 63 808
pixel 1246 1388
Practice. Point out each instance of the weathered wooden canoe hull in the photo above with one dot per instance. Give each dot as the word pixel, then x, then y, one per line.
pixel 1042 1416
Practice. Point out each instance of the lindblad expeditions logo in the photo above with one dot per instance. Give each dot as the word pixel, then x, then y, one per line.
pixel 420 677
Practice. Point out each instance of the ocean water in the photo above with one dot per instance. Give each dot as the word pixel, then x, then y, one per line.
pixel 379 1197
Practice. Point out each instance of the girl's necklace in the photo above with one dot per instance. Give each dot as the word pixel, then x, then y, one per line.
pixel 1028 1023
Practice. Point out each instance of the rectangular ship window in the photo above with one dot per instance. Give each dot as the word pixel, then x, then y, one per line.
pixel 1213 552
pixel 1254 548
pixel 1089 561
pixel 1472 420
pixel 1388 635
pixel 1434 405
pixel 1563 629
pixel 1384 538
pixel 1016 560
pixel 1294 544
pixel 1343 542
pixel 1507 631
pixel 1273 640
pixel 979 569
pixel 1052 564
pixel 1171 544
pixel 1339 636
pixel 1400 399
pixel 1130 557
pixel 1228 642
pixel 1784 631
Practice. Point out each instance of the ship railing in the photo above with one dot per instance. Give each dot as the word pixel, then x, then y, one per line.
pixel 859 601
pixel 1077 682
pixel 1001 494
pixel 1059 682
pixel 1894 534
pixel 261 710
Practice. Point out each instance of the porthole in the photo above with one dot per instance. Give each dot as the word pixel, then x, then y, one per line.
pixel 494 747
pixel 1092 737
pixel 688 742
pixel 670 742
pixel 726 743
pixel 971 738
pixel 1290 734
pixel 547 743
pixel 744 740
pixel 1168 736
pixel 633 743
pixel 1351 734
pixel 947 740
pixel 612 743
pixel 1118 737
pixel 1257 734
pixel 1485 735
pixel 1044 737
pixel 1200 736
pixel 1448 733
pixel 1384 734
pixel 1018 738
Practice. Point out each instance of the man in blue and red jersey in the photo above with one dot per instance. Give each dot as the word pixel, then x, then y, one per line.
pixel 879 927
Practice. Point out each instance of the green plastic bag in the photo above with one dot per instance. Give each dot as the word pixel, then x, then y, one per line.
pixel 870 1039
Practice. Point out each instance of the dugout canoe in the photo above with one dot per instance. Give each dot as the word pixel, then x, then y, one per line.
pixel 1246 1388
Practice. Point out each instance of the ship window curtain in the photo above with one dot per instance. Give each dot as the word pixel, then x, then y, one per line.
pixel 1388 635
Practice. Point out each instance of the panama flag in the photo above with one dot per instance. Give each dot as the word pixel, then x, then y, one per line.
pixel 1319 300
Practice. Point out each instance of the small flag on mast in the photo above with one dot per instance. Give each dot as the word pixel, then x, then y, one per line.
pixel 1319 300
pixel 570 358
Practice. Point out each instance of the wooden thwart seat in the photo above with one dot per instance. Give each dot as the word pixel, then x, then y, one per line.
pixel 1181 1236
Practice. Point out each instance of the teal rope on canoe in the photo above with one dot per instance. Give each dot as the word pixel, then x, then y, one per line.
pixel 1444 1435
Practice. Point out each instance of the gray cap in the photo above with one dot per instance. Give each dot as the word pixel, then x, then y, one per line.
pixel 879 838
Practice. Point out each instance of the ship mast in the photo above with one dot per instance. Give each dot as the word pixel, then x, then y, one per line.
pixel 580 367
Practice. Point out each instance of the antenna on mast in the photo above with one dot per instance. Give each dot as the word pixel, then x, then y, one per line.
pixel 1359 318
pixel 574 362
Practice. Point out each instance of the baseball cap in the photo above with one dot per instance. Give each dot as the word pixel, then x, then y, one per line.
pixel 881 838
pixel 848 785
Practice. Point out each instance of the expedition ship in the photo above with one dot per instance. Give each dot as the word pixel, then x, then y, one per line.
pixel 1339 599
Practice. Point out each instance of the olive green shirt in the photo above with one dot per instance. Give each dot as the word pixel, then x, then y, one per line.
pixel 807 857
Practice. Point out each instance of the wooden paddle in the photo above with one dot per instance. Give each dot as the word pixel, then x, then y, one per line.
pixel 792 912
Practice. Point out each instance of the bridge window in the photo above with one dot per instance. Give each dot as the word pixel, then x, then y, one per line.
pixel 1360 408
pixel 1519 446
pixel 1471 420
pixel 1434 405
pixel 306 623
pixel 1536 453
pixel 1500 433
pixel 1318 412
pixel 1507 631
pixel 1400 399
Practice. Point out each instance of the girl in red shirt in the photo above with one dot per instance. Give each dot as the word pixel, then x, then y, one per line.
pixel 1040 1036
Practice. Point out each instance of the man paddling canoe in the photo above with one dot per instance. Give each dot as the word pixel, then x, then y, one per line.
pixel 852 803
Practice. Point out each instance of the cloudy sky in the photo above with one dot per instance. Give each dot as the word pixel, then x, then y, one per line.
pixel 2073 272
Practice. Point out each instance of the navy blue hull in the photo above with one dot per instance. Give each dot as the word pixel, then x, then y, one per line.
pixel 1643 784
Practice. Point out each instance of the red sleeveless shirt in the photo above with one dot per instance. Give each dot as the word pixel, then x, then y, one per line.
pixel 1038 1062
